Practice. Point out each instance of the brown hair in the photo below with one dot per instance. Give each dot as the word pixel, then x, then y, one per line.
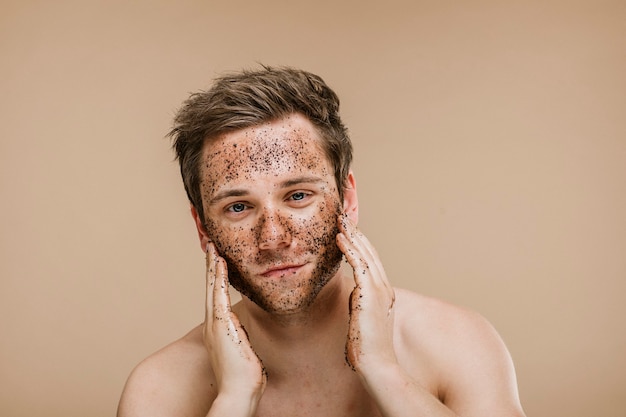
pixel 249 98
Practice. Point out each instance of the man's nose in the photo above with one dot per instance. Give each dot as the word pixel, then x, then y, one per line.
pixel 273 231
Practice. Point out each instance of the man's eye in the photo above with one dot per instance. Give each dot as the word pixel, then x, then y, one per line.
pixel 298 196
pixel 237 207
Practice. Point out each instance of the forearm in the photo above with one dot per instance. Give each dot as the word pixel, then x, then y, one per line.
pixel 398 395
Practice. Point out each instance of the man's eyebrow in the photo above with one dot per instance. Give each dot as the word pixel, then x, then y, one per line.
pixel 235 192
pixel 300 180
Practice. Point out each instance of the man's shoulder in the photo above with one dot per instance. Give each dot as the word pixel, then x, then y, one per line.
pixel 439 317
pixel 177 375
pixel 459 344
pixel 445 333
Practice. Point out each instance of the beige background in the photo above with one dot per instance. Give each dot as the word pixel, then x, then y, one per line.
pixel 490 157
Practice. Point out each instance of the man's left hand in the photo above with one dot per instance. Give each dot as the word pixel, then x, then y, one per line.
pixel 370 334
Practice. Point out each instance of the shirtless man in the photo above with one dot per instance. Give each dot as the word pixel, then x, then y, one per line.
pixel 265 160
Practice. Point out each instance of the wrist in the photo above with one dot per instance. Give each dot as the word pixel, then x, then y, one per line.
pixel 371 366
pixel 234 405
pixel 379 372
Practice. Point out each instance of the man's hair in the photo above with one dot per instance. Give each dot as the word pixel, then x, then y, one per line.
pixel 249 98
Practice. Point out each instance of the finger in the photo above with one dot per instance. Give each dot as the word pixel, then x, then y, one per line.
pixel 357 237
pixel 223 312
pixel 358 264
pixel 210 281
pixel 354 335
pixel 359 240
pixel 221 298
pixel 361 254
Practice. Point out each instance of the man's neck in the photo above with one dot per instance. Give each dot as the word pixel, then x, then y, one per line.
pixel 285 341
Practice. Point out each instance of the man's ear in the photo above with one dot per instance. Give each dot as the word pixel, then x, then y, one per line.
pixel 202 233
pixel 350 199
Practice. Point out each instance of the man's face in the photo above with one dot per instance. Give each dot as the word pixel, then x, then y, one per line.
pixel 271 207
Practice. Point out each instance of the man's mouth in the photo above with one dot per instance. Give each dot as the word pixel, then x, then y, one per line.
pixel 278 271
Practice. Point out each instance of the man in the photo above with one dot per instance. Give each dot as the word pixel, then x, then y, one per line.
pixel 265 160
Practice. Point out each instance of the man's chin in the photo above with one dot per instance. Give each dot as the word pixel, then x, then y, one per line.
pixel 285 302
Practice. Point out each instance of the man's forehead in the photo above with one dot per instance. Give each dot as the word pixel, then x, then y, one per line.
pixel 272 150
pixel 294 130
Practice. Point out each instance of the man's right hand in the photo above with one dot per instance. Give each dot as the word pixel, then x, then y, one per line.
pixel 238 370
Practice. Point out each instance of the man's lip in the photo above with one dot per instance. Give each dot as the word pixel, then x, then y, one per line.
pixel 281 270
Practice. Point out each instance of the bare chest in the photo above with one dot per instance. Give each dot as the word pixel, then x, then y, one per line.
pixel 336 397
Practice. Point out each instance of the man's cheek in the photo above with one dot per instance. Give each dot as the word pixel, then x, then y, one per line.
pixel 218 237
pixel 231 244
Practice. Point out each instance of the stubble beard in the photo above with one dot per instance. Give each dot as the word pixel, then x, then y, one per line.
pixel 272 296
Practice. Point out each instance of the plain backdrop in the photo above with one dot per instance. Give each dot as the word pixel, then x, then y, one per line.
pixel 490 143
